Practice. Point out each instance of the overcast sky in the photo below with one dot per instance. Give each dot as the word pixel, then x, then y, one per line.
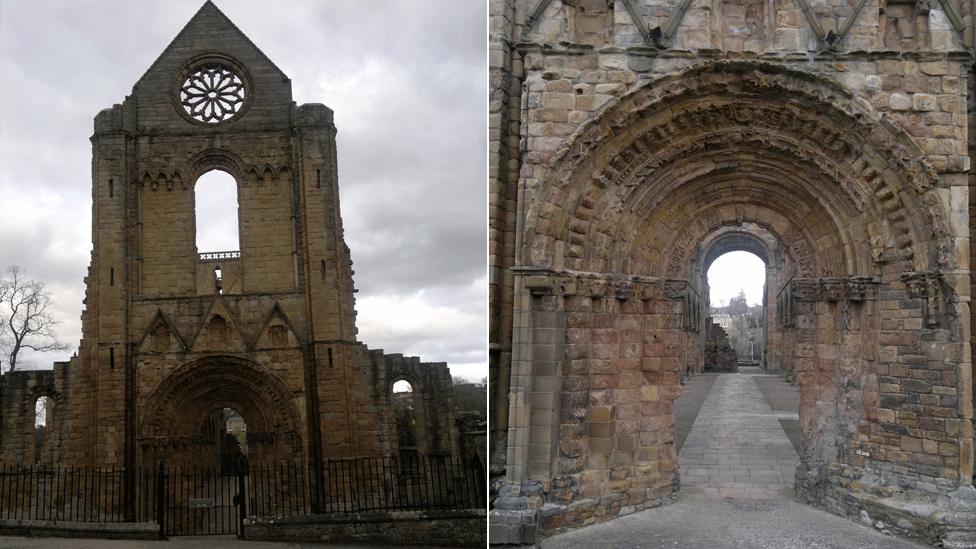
pixel 733 272
pixel 407 82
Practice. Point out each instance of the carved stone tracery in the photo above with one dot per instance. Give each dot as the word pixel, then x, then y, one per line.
pixel 213 92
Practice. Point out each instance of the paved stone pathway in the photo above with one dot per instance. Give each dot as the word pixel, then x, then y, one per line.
pixel 737 447
pixel 737 467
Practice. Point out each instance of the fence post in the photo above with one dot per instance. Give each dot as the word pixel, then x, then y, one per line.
pixel 241 501
pixel 161 500
pixel 481 484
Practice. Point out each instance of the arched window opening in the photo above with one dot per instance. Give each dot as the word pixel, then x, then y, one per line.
pixel 226 430
pixel 405 416
pixel 736 333
pixel 216 213
pixel 43 414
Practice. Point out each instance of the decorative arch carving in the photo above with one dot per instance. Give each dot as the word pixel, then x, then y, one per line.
pixel 734 239
pixel 215 159
pixel 176 407
pixel 797 130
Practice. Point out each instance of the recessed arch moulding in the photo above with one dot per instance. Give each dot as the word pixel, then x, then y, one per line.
pixel 865 294
pixel 754 239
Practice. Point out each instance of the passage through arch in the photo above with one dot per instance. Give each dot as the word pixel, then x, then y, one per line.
pixel 736 325
pixel 621 223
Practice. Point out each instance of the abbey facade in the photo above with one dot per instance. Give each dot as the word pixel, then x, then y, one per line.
pixel 179 341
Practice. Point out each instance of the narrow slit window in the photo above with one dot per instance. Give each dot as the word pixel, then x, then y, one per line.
pixel 318 179
pixel 111 358
pixel 404 413
pixel 111 276
pixel 218 279
pixel 111 188
pixel 43 422
pixel 41 416
pixel 330 357
pixel 322 264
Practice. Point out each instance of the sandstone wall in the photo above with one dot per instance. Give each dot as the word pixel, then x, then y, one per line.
pixel 628 164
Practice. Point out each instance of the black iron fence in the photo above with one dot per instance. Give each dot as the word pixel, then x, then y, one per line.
pixel 199 502
pixel 390 484
pixel 43 492
pixel 369 484
pixel 185 501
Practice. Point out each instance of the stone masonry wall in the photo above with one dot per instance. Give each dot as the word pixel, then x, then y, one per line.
pixel 871 310
pixel 719 355
pixel 19 392
pixel 437 528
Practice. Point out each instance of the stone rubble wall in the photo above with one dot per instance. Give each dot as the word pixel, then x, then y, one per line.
pixel 465 528
pixel 719 355
pixel 19 392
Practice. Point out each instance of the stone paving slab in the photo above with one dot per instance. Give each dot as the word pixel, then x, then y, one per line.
pixel 737 467
pixel 703 522
pixel 736 447
pixel 687 406
pixel 783 398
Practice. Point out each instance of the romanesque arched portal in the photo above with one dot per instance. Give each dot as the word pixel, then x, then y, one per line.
pixel 174 417
pixel 621 220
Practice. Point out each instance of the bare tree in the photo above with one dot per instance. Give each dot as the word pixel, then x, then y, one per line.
pixel 25 321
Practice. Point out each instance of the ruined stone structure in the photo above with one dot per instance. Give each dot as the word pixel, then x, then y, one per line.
pixel 719 356
pixel 173 334
pixel 632 142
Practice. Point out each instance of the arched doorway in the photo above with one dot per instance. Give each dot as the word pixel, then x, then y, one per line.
pixel 226 429
pixel 735 329
pixel 224 407
pixel 608 294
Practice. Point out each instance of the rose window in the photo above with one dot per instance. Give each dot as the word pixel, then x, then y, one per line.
pixel 212 93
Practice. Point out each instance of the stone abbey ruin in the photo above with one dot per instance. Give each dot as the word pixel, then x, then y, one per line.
pixel 635 141
pixel 177 341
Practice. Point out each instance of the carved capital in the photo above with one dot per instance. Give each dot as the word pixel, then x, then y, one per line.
pixel 832 290
pixel 675 289
pixel 931 289
pixel 861 288
pixel 922 284
pixel 805 289
pixel 595 286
